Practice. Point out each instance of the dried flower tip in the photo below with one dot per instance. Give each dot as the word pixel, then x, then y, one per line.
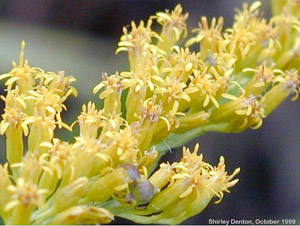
pixel 150 110
pixel 292 83
pixel 112 83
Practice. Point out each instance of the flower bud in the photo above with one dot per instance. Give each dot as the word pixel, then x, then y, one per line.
pixel 82 215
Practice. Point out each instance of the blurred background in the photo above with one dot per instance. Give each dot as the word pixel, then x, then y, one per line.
pixel 80 37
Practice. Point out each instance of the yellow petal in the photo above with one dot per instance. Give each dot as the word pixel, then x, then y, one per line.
pixel 186 192
pixel 189 66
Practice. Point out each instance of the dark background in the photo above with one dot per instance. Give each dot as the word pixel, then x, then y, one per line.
pixel 80 37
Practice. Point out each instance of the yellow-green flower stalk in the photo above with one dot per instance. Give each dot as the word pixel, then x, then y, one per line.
pixel 171 94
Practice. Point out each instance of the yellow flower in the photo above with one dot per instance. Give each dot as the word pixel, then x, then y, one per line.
pixel 173 91
pixel 193 120
pixel 150 115
pixel 60 154
pixel 292 83
pixel 173 94
pixel 68 196
pixel 173 27
pixel 137 42
pixel 32 166
pixel 206 88
pixel 61 160
pixel 111 182
pixel 181 63
pixel 288 83
pixel 46 101
pixel 87 158
pixel 113 122
pixel 139 83
pixel 122 146
pixel 90 120
pixel 59 83
pixel 64 198
pixel 170 121
pixel 151 111
pixel 22 74
pixel 286 7
pixel 210 38
pixel 147 160
pixel 113 88
pixel 82 215
pixel 14 125
pixel 24 198
pixel 162 176
pixel 14 118
pixel 240 112
pixel 41 130
pixel 263 76
pixel 4 193
pixel 186 189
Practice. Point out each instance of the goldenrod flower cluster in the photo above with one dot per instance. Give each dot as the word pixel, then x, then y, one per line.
pixel 169 95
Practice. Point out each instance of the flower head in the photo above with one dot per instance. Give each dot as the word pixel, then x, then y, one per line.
pixel 21 74
pixel 24 194
pixel 173 27
pixel 186 188
pixel 90 120
pixel 169 95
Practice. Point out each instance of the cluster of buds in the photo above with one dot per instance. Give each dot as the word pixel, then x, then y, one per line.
pixel 239 76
